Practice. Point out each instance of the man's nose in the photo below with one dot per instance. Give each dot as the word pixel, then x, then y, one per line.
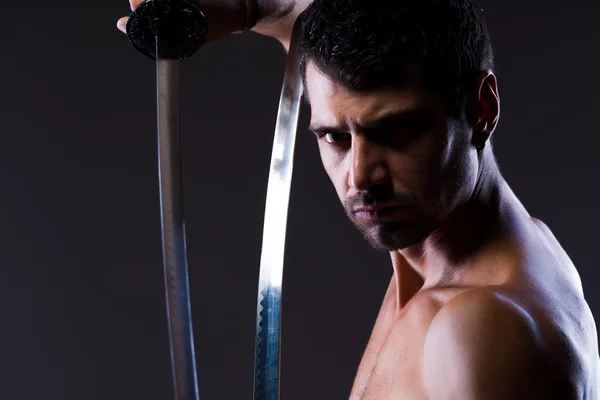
pixel 367 167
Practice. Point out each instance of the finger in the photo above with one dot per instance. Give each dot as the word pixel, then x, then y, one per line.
pixel 134 3
pixel 121 24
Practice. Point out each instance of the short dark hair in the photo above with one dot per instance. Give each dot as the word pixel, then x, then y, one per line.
pixel 368 44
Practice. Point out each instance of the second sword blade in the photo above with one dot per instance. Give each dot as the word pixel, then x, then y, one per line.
pixel 173 232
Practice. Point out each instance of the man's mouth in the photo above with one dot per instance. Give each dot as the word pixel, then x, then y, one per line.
pixel 380 213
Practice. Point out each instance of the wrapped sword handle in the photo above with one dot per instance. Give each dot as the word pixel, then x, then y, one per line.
pixel 176 29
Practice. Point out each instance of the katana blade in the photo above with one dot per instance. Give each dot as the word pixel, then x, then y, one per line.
pixel 268 313
pixel 171 30
pixel 177 290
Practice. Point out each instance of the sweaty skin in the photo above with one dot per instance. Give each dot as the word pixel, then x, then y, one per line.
pixel 483 303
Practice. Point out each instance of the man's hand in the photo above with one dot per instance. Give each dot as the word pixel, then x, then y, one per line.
pixel 225 17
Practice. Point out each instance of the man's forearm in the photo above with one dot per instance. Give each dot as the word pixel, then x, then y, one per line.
pixel 277 17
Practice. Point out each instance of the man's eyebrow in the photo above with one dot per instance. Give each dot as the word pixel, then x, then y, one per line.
pixel 317 127
pixel 395 118
pixel 385 121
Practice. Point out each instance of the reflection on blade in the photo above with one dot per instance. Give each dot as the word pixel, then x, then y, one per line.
pixel 173 232
pixel 268 316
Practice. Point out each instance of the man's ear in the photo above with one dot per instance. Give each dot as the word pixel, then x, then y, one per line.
pixel 486 110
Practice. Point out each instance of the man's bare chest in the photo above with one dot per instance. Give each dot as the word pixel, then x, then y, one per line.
pixel 392 362
pixel 391 367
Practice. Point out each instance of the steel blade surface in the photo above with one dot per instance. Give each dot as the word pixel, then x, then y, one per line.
pixel 173 232
pixel 268 314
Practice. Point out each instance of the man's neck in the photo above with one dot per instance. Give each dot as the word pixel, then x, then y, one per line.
pixel 476 223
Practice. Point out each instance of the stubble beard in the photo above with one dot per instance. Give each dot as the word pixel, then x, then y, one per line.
pixel 390 236
pixel 386 236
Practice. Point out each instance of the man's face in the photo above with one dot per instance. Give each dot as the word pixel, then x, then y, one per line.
pixel 397 159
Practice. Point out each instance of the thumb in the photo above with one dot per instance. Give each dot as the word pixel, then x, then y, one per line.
pixel 121 24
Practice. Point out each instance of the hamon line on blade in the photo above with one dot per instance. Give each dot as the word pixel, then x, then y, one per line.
pixel 268 310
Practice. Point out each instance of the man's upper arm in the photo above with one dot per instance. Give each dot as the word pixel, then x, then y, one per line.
pixel 482 346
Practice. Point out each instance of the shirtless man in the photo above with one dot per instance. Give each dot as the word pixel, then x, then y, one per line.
pixel 483 304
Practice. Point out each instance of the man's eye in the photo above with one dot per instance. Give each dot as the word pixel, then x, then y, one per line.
pixel 335 137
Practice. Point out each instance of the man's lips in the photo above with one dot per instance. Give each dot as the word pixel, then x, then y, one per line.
pixel 372 209
pixel 381 212
pixel 379 207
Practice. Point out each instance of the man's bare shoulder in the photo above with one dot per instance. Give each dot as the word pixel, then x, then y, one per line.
pixel 483 345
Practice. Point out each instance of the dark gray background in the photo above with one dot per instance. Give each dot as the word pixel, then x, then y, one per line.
pixel 82 304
